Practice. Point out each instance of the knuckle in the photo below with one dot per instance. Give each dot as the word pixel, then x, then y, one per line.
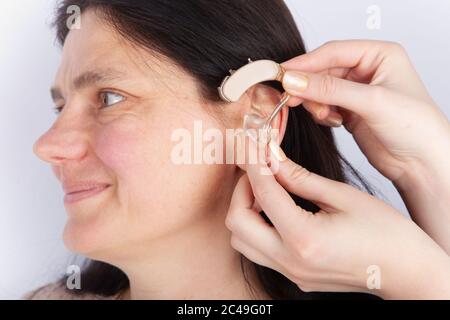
pixel 331 44
pixel 230 221
pixel 299 273
pixel 396 47
pixel 327 86
pixel 304 287
pixel 261 193
pixel 303 284
pixel 307 252
pixel 298 175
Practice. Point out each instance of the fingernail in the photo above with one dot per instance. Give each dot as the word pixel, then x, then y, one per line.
pixel 335 120
pixel 277 152
pixel 319 111
pixel 295 82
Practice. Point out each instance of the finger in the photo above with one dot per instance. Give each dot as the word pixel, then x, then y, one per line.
pixel 328 194
pixel 242 197
pixel 248 224
pixel 334 119
pixel 319 111
pixel 357 54
pixel 252 254
pixel 294 101
pixel 324 114
pixel 336 72
pixel 362 99
pixel 273 199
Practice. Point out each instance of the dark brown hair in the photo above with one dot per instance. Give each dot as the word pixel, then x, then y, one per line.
pixel 207 38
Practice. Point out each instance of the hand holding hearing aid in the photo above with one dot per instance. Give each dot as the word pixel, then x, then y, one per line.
pixel 374 88
pixel 336 248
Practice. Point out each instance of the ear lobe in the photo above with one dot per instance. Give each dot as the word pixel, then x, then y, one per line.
pixel 263 100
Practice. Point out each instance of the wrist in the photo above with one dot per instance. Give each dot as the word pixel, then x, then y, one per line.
pixel 425 187
pixel 419 175
pixel 430 161
pixel 422 280
pixel 425 190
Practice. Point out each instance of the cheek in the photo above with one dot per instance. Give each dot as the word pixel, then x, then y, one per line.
pixel 126 149
pixel 116 146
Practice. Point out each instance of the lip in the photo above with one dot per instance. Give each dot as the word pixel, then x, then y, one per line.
pixel 83 191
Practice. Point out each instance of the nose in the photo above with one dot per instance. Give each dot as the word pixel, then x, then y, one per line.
pixel 64 141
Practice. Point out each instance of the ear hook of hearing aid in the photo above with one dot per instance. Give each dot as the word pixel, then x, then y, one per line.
pixel 254 72
pixel 284 99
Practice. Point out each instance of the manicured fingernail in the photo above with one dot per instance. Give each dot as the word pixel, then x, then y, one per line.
pixel 320 112
pixel 277 152
pixel 295 82
pixel 335 120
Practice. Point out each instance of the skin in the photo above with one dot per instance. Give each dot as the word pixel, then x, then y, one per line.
pixel 155 207
pixel 159 222
pixel 379 97
pixel 394 121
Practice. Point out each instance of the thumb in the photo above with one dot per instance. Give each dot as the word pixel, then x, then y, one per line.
pixel 363 99
pixel 328 194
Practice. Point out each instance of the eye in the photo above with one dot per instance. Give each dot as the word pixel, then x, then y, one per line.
pixel 57 110
pixel 109 99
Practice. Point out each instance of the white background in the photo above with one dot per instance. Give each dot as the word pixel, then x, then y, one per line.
pixel 32 215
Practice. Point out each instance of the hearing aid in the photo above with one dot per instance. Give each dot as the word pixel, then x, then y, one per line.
pixel 239 81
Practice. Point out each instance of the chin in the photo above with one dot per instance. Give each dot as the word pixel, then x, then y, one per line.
pixel 87 238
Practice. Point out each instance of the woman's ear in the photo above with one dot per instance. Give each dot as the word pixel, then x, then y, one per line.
pixel 262 100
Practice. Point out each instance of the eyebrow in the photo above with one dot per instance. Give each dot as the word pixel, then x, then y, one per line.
pixel 86 79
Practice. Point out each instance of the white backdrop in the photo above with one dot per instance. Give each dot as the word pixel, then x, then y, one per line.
pixel 32 214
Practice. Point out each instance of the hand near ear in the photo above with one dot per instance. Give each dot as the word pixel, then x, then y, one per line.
pixel 387 109
pixel 334 249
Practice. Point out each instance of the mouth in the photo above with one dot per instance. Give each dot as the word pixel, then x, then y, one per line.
pixel 77 196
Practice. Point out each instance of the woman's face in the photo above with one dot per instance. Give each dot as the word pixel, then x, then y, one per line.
pixel 121 106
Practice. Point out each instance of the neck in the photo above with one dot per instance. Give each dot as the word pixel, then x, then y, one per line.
pixel 197 263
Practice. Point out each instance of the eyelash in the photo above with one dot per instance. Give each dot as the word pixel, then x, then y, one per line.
pixel 58 110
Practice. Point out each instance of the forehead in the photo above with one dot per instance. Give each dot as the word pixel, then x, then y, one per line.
pixel 96 44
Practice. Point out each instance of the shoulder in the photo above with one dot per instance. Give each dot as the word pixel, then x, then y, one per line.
pixel 58 291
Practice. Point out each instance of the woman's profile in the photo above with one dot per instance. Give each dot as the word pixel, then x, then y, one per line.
pixel 131 75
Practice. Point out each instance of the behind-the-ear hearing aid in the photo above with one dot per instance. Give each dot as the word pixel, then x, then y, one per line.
pixel 239 81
